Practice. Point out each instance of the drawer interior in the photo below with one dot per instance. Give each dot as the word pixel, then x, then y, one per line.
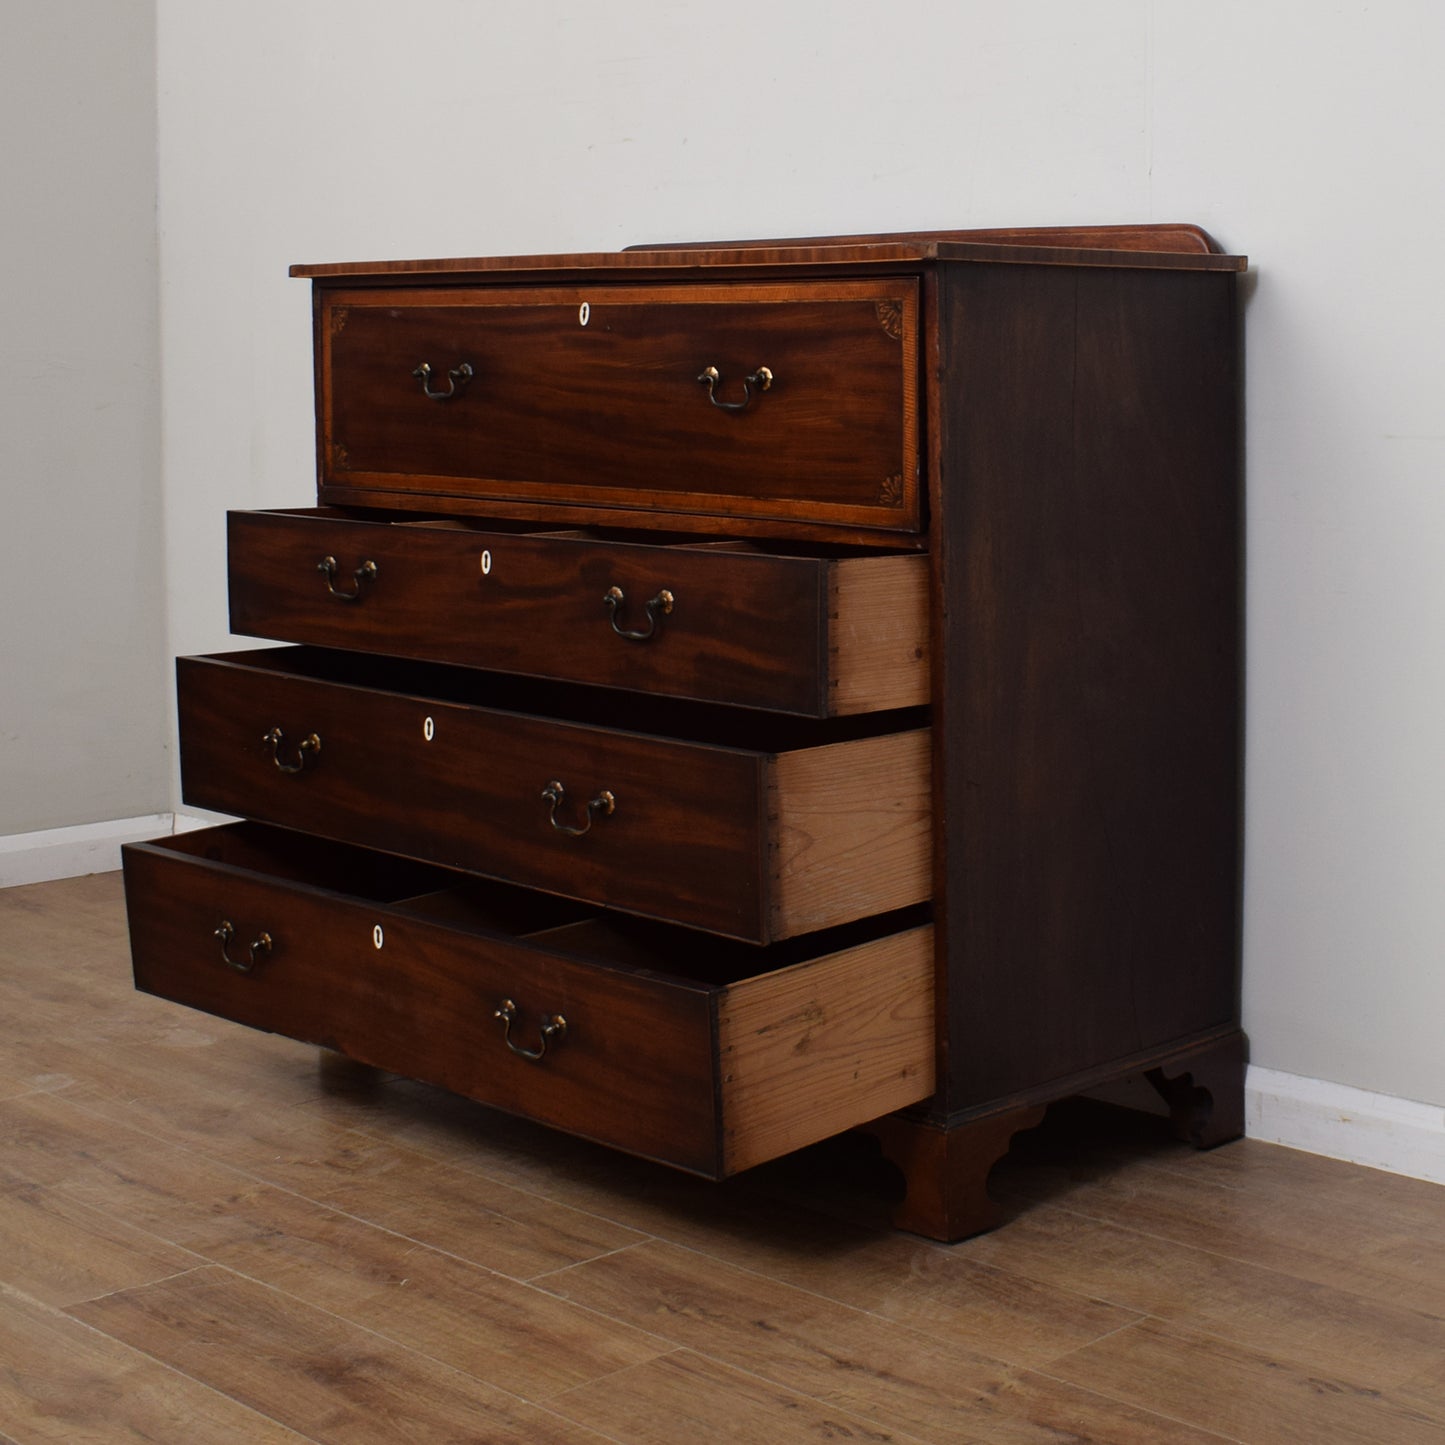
pixel 283 856
pixel 465 903
pixel 633 536
pixel 711 724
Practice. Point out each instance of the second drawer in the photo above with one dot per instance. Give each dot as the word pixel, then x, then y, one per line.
pixel 747 825
pixel 748 623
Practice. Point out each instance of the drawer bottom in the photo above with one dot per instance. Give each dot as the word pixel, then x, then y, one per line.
pixel 696 1051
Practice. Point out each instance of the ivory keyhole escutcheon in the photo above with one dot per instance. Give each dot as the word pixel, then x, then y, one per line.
pixel 377 936
pixel 584 314
pixel 486 563
pixel 429 729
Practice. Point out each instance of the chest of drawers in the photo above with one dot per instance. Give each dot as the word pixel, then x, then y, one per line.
pixel 740 693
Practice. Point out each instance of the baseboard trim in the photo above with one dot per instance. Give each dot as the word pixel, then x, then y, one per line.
pixel 1377 1130
pixel 70 852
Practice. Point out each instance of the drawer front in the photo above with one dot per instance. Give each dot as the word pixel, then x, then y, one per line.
pixel 591 395
pixel 709 1076
pixel 634 1069
pixel 464 786
pixel 736 841
pixel 815 636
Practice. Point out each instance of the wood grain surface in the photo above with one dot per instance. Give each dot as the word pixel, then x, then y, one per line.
pixel 850 830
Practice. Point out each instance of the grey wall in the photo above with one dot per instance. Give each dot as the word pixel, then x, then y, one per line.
pixel 83 727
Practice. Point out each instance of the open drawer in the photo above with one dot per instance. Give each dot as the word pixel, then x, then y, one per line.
pixel 747 824
pixel 821 632
pixel 708 1055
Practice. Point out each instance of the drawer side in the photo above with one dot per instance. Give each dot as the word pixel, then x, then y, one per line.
pixel 812 1050
pixel 850 830
pixel 877 634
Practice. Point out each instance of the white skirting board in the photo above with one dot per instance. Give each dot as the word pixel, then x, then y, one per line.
pixel 71 852
pixel 1339 1122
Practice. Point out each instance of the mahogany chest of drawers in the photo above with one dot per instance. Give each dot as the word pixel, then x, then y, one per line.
pixel 739 693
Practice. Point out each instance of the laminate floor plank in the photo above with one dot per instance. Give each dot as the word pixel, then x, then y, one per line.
pixel 12 1086
pixel 1246 1394
pixel 1390 1247
pixel 1352 1337
pixel 183 1196
pixel 175 1194
pixel 891 1376
pixel 1297 1190
pixel 59 1251
pixel 224 1067
pixel 500 1330
pixel 254 1128
pixel 80 917
pixel 1426 1392
pixel 473 1216
pixel 46 1139
pixel 1251 1162
pixel 63 1383
pixel 326 1378
pixel 684 1397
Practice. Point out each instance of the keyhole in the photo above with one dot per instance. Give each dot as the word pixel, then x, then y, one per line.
pixel 584 314
pixel 429 729
pixel 377 937
pixel 486 564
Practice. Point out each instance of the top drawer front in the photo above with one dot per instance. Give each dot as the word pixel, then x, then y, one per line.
pixel 591 396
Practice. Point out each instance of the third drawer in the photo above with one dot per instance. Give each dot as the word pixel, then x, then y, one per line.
pixel 745 824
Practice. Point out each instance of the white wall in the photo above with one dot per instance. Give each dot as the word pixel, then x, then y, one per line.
pixel 1306 135
pixel 83 728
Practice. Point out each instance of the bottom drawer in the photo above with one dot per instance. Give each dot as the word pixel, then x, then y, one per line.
pixel 704 1053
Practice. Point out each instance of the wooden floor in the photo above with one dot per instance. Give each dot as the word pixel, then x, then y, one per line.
pixel 208 1236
